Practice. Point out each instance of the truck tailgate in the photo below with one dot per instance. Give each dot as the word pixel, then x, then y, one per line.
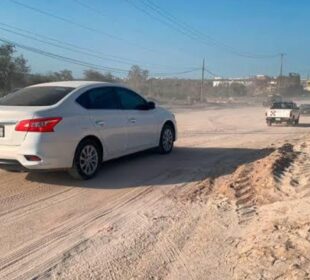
pixel 279 113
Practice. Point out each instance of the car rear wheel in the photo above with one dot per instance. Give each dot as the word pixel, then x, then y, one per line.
pixel 297 121
pixel 166 139
pixel 86 161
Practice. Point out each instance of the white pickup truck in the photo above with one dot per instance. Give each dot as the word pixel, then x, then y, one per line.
pixel 283 112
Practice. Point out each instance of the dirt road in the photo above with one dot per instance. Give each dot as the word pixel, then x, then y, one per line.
pixel 181 216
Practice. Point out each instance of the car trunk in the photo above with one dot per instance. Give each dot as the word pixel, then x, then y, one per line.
pixel 9 117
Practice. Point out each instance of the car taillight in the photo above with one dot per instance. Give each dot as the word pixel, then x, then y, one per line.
pixel 38 125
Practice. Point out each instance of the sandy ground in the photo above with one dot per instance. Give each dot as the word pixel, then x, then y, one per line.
pixel 231 202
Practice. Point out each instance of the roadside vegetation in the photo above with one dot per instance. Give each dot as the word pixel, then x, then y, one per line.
pixel 15 73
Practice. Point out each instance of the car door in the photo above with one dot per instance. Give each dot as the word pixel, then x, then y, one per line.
pixel 142 122
pixel 109 120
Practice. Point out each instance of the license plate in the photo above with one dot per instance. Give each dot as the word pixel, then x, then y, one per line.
pixel 278 119
pixel 1 131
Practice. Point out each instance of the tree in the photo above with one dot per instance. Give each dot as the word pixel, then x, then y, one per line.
pixel 137 78
pixel 39 78
pixel 13 70
pixel 237 89
pixel 93 75
pixel 63 75
pixel 21 72
pixel 290 85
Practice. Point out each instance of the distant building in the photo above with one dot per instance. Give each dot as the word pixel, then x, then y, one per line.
pixel 227 82
pixel 261 77
pixel 263 84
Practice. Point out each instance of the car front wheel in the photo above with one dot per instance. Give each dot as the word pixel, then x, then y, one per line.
pixel 166 139
pixel 86 161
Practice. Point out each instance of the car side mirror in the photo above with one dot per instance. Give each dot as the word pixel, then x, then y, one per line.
pixel 151 105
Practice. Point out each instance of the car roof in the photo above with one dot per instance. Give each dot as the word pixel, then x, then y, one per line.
pixel 72 84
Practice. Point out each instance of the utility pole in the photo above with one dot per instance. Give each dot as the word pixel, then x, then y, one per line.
pixel 281 72
pixel 202 80
pixel 281 67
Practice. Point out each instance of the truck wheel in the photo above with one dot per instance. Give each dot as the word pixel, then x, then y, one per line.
pixel 294 122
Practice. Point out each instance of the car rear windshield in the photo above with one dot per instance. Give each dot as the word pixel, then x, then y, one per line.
pixel 35 96
pixel 282 106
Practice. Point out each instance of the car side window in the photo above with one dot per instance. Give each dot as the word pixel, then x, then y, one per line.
pixel 104 98
pixel 130 100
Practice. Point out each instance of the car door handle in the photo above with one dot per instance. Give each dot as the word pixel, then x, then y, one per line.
pixel 132 120
pixel 100 123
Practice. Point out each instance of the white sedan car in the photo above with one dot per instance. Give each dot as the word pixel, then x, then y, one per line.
pixel 76 125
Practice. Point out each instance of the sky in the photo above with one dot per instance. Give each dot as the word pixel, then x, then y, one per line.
pixel 116 34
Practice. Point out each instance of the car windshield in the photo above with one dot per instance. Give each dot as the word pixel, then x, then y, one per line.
pixel 36 96
pixel 282 106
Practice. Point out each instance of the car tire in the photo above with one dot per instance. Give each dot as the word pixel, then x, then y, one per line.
pixel 166 141
pixel 294 122
pixel 87 160
pixel 269 123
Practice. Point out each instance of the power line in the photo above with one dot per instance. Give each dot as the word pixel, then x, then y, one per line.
pixel 74 48
pixel 171 19
pixel 189 31
pixel 62 58
pixel 194 33
pixel 165 22
pixel 80 62
pixel 83 4
pixel 212 73
pixel 85 27
pixel 97 11
pixel 60 46
pixel 108 56
pixel 199 34
pixel 176 73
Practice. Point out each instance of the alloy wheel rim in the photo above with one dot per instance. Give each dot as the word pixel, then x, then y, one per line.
pixel 167 139
pixel 89 160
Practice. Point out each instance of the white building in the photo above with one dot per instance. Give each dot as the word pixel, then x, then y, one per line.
pixel 227 82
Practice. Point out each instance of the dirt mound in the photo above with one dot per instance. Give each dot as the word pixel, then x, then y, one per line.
pixel 272 203
pixel 259 183
pixel 193 193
